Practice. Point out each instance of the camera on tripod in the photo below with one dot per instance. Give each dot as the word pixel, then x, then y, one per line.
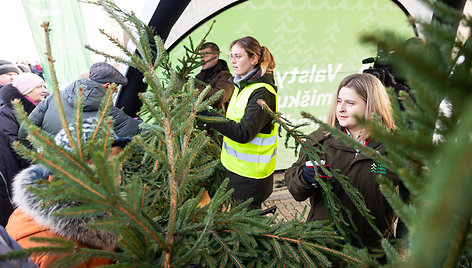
pixel 381 68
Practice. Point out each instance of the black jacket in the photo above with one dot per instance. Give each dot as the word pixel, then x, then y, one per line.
pixel 9 124
pixel 9 167
pixel 255 120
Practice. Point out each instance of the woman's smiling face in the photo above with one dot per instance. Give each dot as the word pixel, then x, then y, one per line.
pixel 38 93
pixel 349 105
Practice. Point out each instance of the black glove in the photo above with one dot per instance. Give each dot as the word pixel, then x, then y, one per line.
pixel 203 112
pixel 309 173
pixel 122 141
pixel 309 176
pixel 200 124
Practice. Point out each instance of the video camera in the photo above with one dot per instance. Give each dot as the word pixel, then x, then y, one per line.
pixel 381 68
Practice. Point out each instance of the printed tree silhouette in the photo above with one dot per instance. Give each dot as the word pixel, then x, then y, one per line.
pixel 438 175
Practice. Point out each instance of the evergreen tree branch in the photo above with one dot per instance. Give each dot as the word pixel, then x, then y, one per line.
pixel 57 95
pixel 333 205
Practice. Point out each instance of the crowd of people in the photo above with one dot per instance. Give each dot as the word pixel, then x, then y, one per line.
pixel 248 138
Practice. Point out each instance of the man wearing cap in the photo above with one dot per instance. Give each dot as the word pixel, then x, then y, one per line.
pixel 8 71
pixel 101 75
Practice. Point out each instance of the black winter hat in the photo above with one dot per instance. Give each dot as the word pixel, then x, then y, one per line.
pixel 7 67
pixel 102 72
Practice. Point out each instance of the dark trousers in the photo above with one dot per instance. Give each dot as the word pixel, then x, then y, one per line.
pixel 245 188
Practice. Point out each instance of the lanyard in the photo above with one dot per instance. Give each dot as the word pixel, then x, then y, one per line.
pixel 345 130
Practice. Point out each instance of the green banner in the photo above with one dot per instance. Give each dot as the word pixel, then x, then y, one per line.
pixel 315 45
pixel 67 37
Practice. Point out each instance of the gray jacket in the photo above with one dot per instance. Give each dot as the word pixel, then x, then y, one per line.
pixel 46 114
pixel 8 244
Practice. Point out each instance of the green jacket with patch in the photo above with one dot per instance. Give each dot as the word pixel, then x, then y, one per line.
pixel 362 173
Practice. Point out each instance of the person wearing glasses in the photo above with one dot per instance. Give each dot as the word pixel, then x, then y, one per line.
pixel 249 146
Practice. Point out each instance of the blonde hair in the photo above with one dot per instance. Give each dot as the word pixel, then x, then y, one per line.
pixel 265 59
pixel 373 92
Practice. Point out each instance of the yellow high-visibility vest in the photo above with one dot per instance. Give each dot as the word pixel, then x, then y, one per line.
pixel 256 158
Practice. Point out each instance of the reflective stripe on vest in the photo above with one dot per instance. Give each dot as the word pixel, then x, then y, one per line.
pixel 249 157
pixel 256 158
pixel 263 142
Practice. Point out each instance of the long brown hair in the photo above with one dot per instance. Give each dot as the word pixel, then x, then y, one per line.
pixel 266 61
pixel 373 92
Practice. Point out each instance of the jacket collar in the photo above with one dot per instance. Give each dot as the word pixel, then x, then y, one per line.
pixel 321 135
pixel 374 144
pixel 9 93
pixel 71 228
pixel 255 77
pixel 207 74
pixel 93 93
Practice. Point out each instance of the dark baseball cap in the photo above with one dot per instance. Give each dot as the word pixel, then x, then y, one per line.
pixel 102 72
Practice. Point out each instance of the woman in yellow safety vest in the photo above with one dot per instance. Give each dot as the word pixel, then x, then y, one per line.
pixel 249 146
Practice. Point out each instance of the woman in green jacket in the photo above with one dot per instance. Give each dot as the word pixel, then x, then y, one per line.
pixel 358 95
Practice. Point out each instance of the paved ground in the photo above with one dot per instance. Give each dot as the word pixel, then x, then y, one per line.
pixel 287 207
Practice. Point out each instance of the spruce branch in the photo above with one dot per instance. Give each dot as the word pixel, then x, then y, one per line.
pixel 117 43
pixel 57 95
pixel 141 35
pixel 192 54
pixel 41 140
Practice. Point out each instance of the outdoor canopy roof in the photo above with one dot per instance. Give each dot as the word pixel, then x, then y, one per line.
pixel 165 19
pixel 174 20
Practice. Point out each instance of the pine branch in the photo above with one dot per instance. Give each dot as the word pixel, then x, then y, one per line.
pixel 57 95
pixel 403 210
pixel 117 43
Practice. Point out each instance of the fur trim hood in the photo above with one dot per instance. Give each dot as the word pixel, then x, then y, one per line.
pixel 70 228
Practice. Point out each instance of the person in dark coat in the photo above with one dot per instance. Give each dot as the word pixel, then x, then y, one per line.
pixel 101 75
pixel 30 89
pixel 215 73
pixel 8 71
pixel 358 95
pixel 10 165
pixel 249 147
